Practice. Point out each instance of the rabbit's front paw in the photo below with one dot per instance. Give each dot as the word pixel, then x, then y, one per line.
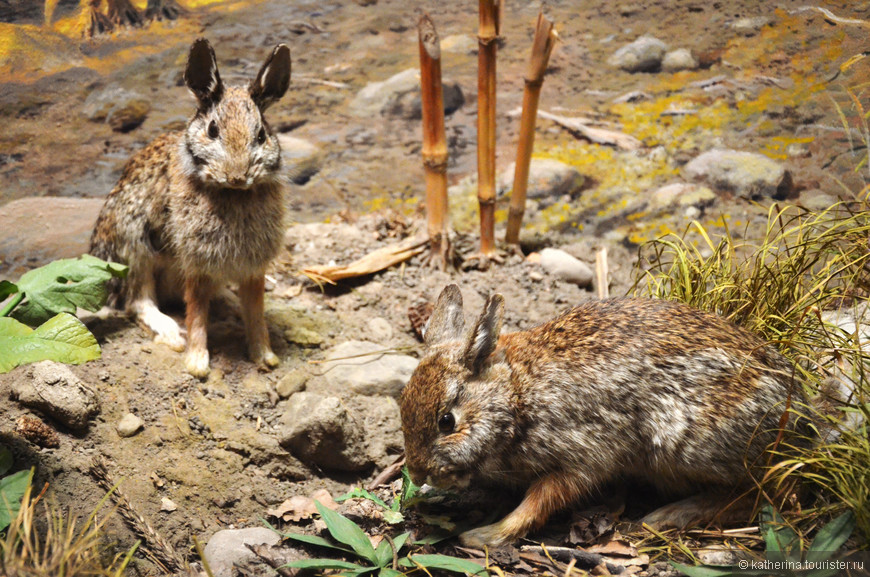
pixel 166 330
pixel 488 536
pixel 196 363
pixel 270 359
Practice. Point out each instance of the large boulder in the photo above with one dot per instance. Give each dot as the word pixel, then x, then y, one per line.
pixel 399 96
pixel 363 368
pixel 321 431
pixel 746 174
pixel 643 55
pixel 549 179
pixel 54 390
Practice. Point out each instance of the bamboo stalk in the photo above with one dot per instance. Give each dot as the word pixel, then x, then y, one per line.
pixel 434 142
pixel 545 39
pixel 486 60
pixel 601 273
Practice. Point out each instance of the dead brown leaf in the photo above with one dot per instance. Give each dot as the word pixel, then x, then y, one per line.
pixel 299 507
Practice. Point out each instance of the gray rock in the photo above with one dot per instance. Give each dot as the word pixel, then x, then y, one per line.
pixel 817 201
pixel 563 266
pixel 129 425
pixel 37 230
pixel 746 174
pixel 643 55
pixel 291 383
pixel 362 368
pixel 679 59
pixel 681 194
pixel 122 109
pixel 302 159
pixel 227 548
pixel 548 179
pixel 460 44
pixel 322 432
pixel 53 389
pixel 399 96
pixel 379 329
pixel 750 26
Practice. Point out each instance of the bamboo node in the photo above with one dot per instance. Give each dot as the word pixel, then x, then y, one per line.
pixel 485 201
pixel 486 40
pixel 534 82
pixel 436 164
pixel 516 211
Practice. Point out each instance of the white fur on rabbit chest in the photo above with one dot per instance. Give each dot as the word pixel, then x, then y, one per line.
pixel 229 234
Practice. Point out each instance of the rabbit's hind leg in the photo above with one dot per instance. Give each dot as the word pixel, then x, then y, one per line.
pixel 719 508
pixel 142 302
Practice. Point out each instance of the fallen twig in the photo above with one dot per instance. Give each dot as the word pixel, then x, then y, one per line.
pixel 596 135
pixel 388 474
pixel 831 16
pixel 371 263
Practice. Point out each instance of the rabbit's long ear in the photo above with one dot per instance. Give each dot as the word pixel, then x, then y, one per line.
pixel 273 80
pixel 484 337
pixel 447 320
pixel 201 74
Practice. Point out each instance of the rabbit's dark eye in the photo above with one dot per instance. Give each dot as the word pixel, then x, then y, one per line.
pixel 213 130
pixel 446 423
pixel 261 136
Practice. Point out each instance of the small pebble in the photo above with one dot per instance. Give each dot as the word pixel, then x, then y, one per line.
pixel 166 504
pixel 129 425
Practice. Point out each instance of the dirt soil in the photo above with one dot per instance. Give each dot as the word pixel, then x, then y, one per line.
pixel 212 446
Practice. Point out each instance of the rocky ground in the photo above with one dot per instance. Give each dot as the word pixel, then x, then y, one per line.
pixel 733 106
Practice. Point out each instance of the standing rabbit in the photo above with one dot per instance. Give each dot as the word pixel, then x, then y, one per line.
pixel 619 388
pixel 202 207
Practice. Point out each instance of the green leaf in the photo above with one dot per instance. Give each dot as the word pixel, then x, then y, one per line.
pixel 719 571
pixel 62 338
pixel 390 572
pixel 409 489
pixel 703 570
pixel 315 540
pixel 63 285
pixel 12 489
pixel 5 460
pixel 393 517
pixel 360 493
pixel 444 562
pixel 781 540
pixel 385 550
pixel 323 564
pixel 346 531
pixel 6 289
pixel 831 537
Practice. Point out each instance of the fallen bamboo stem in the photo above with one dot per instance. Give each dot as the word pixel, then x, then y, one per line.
pixel 486 61
pixel 371 263
pixel 545 39
pixel 434 142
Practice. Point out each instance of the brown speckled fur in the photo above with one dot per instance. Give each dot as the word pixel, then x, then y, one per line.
pixel 199 208
pixel 610 389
